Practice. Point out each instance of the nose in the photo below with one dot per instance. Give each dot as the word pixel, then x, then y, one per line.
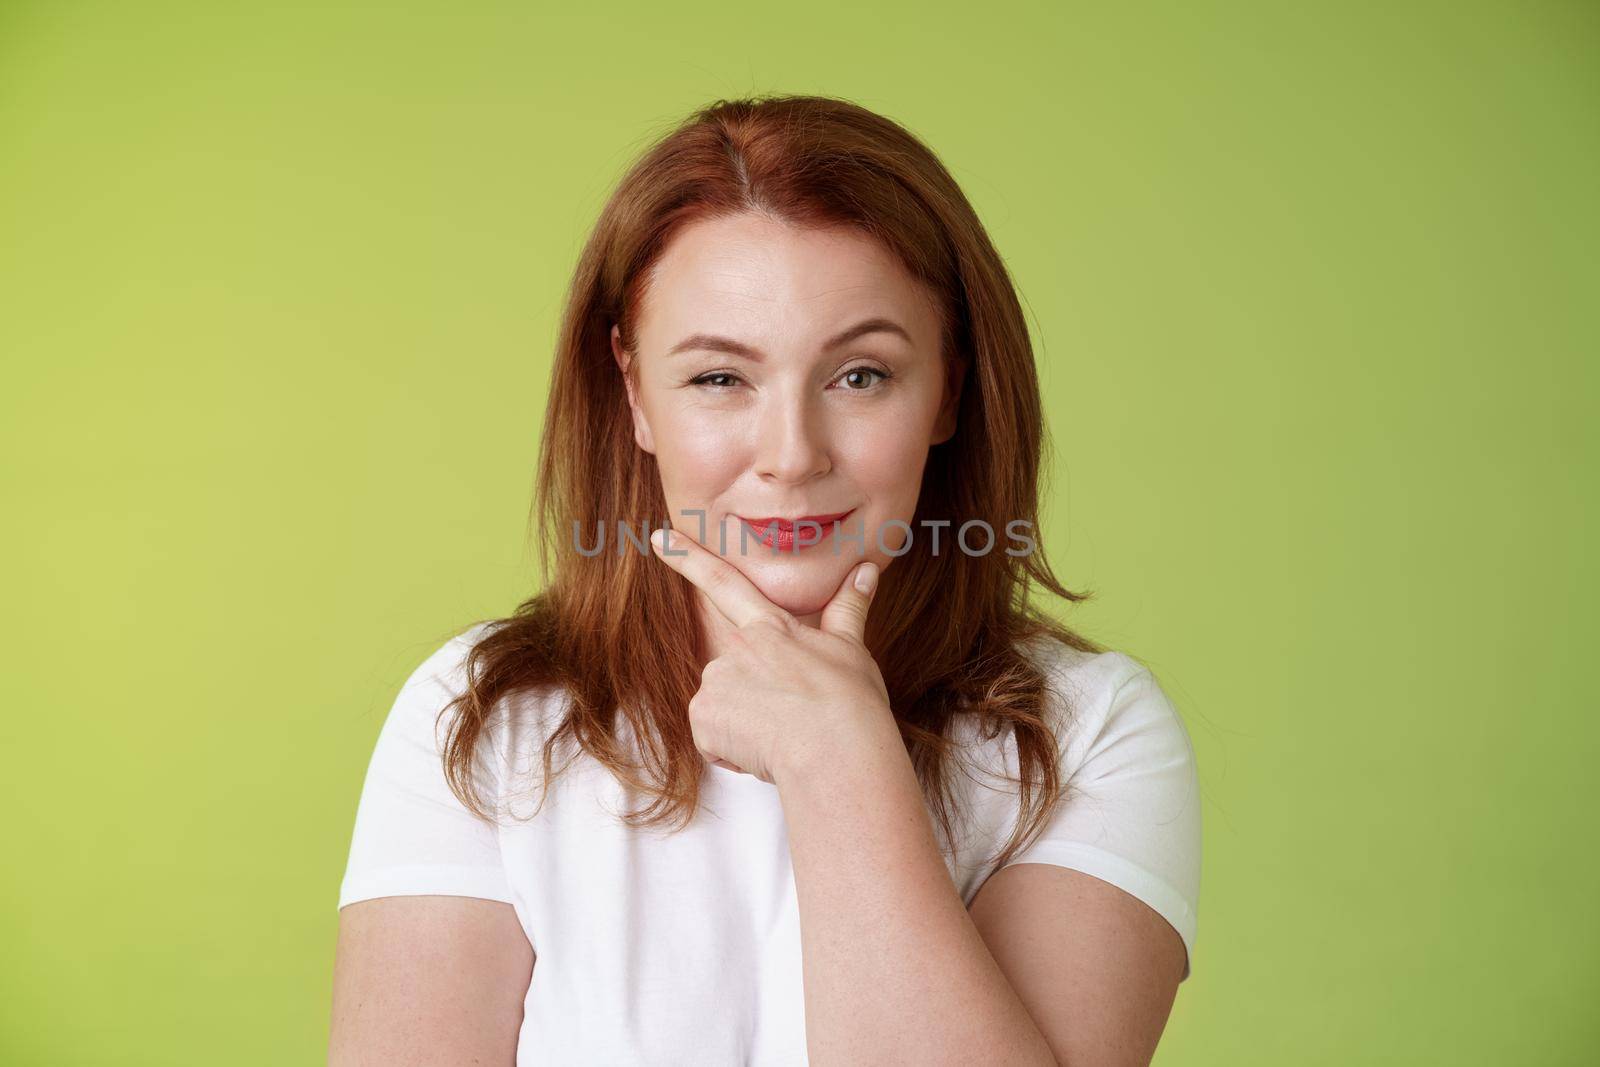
pixel 792 442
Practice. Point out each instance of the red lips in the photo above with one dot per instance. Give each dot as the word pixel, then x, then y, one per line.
pixel 760 525
pixel 777 532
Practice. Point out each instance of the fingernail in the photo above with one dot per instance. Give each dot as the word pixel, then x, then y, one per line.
pixel 657 538
pixel 866 577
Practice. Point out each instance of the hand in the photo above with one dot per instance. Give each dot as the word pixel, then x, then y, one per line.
pixel 782 692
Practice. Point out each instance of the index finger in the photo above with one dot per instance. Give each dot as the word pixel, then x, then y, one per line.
pixel 730 592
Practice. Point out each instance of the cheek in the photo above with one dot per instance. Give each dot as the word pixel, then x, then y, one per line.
pixel 696 454
pixel 886 456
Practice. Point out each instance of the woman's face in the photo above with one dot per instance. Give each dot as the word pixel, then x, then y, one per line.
pixel 788 373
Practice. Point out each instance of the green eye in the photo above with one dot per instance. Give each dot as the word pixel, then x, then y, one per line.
pixel 721 381
pixel 853 371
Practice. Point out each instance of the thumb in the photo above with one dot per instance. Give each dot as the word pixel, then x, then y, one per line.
pixel 846 613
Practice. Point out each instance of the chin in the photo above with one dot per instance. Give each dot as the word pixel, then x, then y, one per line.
pixel 799 590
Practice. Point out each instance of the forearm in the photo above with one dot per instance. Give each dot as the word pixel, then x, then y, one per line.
pixel 894 969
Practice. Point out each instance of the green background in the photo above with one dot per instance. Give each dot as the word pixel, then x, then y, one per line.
pixel 1314 291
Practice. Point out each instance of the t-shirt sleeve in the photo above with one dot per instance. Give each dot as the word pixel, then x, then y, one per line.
pixel 1131 816
pixel 412 835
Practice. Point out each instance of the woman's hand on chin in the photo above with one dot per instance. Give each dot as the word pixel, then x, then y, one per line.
pixel 783 695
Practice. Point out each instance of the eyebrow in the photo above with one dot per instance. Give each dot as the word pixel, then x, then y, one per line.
pixel 709 342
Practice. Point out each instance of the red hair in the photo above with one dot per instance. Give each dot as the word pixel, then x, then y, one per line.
pixel 946 628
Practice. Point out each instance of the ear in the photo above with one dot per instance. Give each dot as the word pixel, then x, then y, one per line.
pixel 641 426
pixel 944 425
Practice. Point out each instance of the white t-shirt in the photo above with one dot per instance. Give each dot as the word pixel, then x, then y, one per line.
pixel 684 948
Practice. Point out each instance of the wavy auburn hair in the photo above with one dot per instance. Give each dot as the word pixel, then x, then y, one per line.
pixel 944 629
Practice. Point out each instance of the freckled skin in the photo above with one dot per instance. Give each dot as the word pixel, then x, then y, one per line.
pixel 804 430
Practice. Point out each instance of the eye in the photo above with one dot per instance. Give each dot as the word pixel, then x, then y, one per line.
pixel 858 373
pixel 723 381
pixel 710 380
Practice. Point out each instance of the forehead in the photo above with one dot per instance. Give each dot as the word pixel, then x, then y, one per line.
pixel 763 277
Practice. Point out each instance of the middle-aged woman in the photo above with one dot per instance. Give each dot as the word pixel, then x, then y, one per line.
pixel 814 781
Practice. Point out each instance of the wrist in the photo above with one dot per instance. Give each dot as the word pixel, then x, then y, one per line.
pixel 843 755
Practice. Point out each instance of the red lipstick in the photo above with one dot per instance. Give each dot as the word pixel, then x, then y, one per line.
pixel 779 532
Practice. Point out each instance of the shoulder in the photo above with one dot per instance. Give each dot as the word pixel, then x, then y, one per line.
pixel 1084 685
pixel 516 724
pixel 1077 676
pixel 1096 699
pixel 446 664
pixel 438 678
pixel 1130 811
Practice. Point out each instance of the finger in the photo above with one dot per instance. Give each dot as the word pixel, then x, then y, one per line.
pixel 730 592
pixel 846 613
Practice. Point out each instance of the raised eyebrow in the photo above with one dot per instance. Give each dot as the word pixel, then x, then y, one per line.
pixel 710 342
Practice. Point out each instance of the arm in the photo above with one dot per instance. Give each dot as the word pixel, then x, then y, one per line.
pixel 427 980
pixel 1051 967
pixel 431 964
pixel 895 970
pixel 1097 967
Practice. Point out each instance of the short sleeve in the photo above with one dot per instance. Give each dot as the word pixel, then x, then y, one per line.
pixel 1131 814
pixel 412 835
